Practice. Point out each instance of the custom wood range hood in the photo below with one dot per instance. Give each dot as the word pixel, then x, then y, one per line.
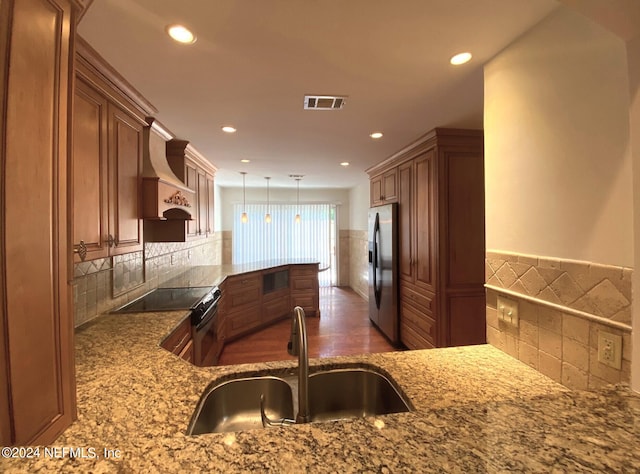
pixel 177 188
pixel 164 196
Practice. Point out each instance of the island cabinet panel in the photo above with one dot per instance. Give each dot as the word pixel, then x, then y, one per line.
pixel 276 305
pixel 37 378
pixel 253 300
pixel 242 295
pixel 178 340
pixel 106 163
pixel 305 290
pixel 440 195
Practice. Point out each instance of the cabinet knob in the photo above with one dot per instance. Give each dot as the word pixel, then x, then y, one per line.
pixel 81 250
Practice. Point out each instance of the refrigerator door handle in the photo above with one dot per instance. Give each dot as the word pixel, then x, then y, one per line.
pixel 376 281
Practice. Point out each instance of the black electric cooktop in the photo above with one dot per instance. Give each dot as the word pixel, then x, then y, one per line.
pixel 166 299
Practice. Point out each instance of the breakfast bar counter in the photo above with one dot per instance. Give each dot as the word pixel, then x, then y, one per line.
pixel 476 410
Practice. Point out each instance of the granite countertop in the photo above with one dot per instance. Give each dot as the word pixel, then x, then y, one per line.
pixel 210 275
pixel 476 410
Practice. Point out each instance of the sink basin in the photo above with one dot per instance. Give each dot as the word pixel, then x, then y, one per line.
pixel 334 394
pixel 351 393
pixel 235 405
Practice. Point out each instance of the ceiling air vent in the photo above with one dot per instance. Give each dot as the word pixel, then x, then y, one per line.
pixel 324 102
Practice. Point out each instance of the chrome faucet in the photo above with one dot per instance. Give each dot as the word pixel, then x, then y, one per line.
pixel 298 346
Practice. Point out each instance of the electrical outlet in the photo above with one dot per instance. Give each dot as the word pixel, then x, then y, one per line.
pixel 508 310
pixel 610 349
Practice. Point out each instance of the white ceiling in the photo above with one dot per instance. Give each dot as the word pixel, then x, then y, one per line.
pixel 254 61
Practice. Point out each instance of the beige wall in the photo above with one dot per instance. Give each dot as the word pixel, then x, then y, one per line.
pixel 559 195
pixel 558 162
pixel 359 205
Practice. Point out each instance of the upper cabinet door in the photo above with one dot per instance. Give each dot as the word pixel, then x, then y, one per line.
pixel 89 170
pixel 191 173
pixel 210 203
pixel 202 203
pixel 125 162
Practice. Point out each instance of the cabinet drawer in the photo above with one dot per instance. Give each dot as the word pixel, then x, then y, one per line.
pixel 178 338
pixel 412 339
pixel 238 322
pixel 301 283
pixel 419 299
pixel 276 308
pixel 242 290
pixel 301 271
pixel 419 323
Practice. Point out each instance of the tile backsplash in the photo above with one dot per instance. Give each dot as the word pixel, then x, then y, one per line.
pixel 104 284
pixel 560 339
pixel 353 261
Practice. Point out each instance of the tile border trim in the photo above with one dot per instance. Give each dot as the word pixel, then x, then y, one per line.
pixel 564 309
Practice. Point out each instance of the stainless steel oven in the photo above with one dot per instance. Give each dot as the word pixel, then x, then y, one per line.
pixel 204 323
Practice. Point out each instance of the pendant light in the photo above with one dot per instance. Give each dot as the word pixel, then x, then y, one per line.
pixel 244 217
pixel 267 216
pixel 297 218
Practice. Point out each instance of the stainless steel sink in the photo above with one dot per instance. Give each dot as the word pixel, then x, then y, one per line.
pixel 351 393
pixel 235 405
pixel 333 395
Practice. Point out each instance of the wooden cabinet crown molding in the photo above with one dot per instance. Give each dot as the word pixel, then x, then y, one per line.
pixel 442 136
pixel 94 69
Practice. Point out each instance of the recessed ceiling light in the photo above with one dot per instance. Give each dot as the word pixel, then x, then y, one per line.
pixel 460 58
pixel 376 135
pixel 245 161
pixel 181 34
pixel 344 163
pixel 228 129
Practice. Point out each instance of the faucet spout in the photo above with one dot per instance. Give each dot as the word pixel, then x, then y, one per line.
pixel 298 346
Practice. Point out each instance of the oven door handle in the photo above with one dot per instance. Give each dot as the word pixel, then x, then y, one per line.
pixel 209 315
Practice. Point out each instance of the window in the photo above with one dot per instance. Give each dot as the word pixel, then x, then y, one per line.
pixel 313 238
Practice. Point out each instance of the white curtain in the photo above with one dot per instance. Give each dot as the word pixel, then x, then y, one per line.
pixel 283 238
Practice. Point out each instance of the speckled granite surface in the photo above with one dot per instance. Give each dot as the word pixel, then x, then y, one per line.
pixel 209 275
pixel 477 410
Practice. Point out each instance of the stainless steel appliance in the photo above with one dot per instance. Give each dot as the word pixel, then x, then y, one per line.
pixel 383 270
pixel 206 348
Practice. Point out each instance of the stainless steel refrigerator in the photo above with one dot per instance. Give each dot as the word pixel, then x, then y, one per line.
pixel 383 270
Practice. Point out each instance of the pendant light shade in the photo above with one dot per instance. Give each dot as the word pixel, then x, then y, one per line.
pixel 297 218
pixel 267 216
pixel 244 218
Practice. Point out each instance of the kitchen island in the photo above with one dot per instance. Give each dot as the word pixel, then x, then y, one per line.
pixel 476 410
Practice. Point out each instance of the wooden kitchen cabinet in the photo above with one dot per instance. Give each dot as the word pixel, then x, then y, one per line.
pixel 197 173
pixel 37 376
pixel 305 290
pixel 384 188
pixel 179 341
pixel 441 238
pixel 241 303
pixel 106 161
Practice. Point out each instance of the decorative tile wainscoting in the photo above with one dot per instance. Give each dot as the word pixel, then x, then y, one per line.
pixel 359 262
pixel 103 284
pixel 561 339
